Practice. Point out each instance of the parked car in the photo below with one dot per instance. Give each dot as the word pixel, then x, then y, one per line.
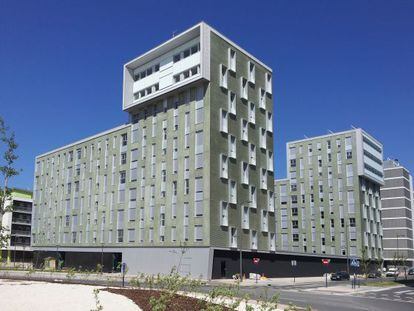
pixel 410 271
pixel 339 276
pixel 392 272
pixel 374 274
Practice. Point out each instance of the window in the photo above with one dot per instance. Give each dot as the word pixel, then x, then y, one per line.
pixel 223 166
pixel 349 154
pixel 223 76
pixel 253 239
pixel 123 158
pixel 198 233
pixel 270 161
pixel 199 196
pixel 244 130
pixel 245 218
pixel 232 102
pixel 199 107
pixel 251 67
pixel 265 223
pixel 253 197
pixel 120 237
pixel 262 99
pixel 232 192
pixel 352 222
pixel 122 177
pixel 233 237
pixel 232 146
pixel 243 88
pixel 295 237
pixel 131 235
pixel 262 138
pixel 224 121
pixel 224 214
pixel 199 149
pixel 270 201
pixel 252 113
pixel 252 154
pixel 124 139
pixel 268 80
pixel 244 173
pixel 232 60
pixel 269 122
pixel 263 179
pixel 176 57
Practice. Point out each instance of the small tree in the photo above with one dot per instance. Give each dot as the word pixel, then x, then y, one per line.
pixel 365 262
pixel 7 171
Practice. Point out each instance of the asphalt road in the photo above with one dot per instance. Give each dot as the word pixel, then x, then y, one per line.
pixel 400 298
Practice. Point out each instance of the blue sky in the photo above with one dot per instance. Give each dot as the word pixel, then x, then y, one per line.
pixel 336 64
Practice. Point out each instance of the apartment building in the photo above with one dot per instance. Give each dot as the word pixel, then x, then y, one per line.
pixel 330 206
pixel 18 224
pixel 397 214
pixel 186 183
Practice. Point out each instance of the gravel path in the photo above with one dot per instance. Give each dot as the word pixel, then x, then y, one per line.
pixel 33 296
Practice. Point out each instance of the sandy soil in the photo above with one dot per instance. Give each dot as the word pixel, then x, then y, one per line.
pixel 33 296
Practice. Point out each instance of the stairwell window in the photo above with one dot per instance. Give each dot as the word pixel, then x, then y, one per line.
pixel 244 130
pixel 268 80
pixel 224 121
pixel 232 103
pixel 224 166
pixel 244 173
pixel 243 88
pixel 199 149
pixel 251 67
pixel 232 146
pixel 252 113
pixel 232 192
pixel 262 138
pixel 224 214
pixel 262 98
pixel 252 154
pixel 253 197
pixel 223 76
pixel 263 179
pixel 253 239
pixel 232 59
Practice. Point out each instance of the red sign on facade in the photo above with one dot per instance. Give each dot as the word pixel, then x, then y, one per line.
pixel 326 261
pixel 256 261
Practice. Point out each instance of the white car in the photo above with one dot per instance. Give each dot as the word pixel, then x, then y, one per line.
pixel 392 272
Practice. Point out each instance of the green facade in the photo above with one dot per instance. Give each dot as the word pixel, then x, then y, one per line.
pixel 78 201
pixel 321 205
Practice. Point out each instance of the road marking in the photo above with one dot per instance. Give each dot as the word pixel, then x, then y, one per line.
pixel 410 293
pixel 402 292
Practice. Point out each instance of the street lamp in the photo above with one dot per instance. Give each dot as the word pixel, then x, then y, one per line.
pixel 241 236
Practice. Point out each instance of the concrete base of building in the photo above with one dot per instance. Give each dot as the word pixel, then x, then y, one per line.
pixel 198 262
pixel 226 263
pixel 191 261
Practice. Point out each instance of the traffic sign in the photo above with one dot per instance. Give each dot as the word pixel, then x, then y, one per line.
pixel 355 263
pixel 256 260
pixel 293 263
pixel 326 261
